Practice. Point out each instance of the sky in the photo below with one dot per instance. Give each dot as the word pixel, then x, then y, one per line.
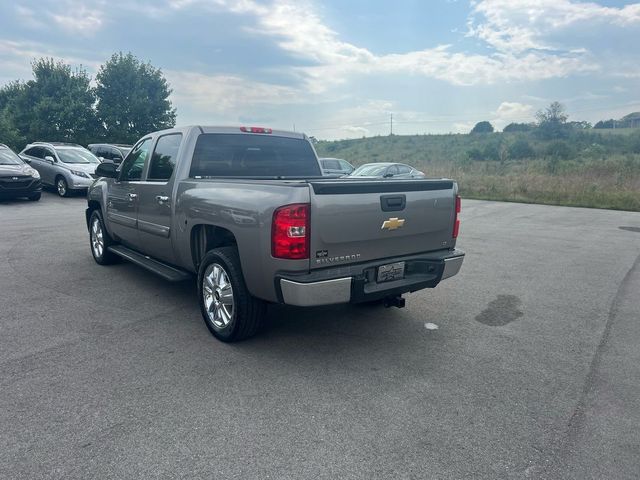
pixel 341 69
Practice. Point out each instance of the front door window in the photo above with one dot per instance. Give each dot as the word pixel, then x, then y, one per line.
pixel 134 164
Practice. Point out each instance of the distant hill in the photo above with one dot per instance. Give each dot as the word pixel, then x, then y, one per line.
pixel 421 150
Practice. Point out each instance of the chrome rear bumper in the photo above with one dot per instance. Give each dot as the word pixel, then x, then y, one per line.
pixel 423 271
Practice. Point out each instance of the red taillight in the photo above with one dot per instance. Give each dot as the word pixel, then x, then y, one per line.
pixel 255 130
pixel 456 224
pixel 290 231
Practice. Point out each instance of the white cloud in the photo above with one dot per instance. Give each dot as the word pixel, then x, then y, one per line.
pixel 299 30
pixel 514 111
pixel 519 25
pixel 226 93
pixel 360 131
pixel 509 112
pixel 78 18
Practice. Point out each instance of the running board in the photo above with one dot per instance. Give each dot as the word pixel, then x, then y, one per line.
pixel 163 270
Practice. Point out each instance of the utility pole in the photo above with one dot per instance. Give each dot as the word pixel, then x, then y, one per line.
pixel 391 125
pixel 294 127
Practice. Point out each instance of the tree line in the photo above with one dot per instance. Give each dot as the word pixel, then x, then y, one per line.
pixel 130 98
pixel 552 123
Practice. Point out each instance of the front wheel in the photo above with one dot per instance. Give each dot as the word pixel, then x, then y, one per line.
pixel 230 312
pixel 61 187
pixel 100 240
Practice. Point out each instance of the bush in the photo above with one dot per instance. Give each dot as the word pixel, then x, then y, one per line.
pixel 521 149
pixel 559 149
pixel 482 127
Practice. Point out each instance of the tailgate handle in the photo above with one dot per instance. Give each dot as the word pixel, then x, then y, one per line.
pixel 393 203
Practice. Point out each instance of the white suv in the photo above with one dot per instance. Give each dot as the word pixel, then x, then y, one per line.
pixel 65 166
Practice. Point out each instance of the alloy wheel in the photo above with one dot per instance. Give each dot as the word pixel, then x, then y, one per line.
pixel 217 294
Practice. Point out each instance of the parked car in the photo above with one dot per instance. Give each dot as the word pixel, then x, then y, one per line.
pixel 248 212
pixel 386 170
pixel 109 151
pixel 17 179
pixel 335 166
pixel 65 166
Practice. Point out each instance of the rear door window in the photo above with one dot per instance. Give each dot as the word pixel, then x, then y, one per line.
pixel 252 155
pixel 403 169
pixel 163 160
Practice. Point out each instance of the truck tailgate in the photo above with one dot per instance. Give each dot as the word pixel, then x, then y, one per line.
pixel 354 220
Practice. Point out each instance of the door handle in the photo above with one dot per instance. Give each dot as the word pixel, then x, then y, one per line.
pixel 162 199
pixel 132 196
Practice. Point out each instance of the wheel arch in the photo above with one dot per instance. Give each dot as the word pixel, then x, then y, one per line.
pixel 205 237
pixel 92 205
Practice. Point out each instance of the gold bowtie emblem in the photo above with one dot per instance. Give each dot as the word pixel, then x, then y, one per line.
pixel 393 223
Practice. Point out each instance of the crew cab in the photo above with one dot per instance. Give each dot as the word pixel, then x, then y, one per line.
pixel 247 211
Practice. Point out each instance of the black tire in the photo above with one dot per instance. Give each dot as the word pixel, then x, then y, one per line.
pixel 102 256
pixel 61 186
pixel 248 312
pixel 35 197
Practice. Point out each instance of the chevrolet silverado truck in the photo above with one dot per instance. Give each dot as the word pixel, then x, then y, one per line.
pixel 247 211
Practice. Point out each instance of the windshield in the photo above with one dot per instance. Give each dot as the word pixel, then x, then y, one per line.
pixel 7 157
pixel 76 155
pixel 248 155
pixel 369 170
pixel 124 151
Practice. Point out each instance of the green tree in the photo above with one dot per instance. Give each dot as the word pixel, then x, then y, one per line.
pixel 552 121
pixel 482 127
pixel 57 105
pixel 133 99
pixel 521 149
pixel 9 134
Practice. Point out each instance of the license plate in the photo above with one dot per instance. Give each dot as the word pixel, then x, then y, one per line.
pixel 392 271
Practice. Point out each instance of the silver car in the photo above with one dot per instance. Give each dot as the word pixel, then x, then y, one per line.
pixel 386 170
pixel 335 166
pixel 65 166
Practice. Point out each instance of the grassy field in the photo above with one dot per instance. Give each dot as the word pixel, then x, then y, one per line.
pixel 586 169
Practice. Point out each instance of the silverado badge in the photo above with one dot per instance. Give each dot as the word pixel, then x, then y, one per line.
pixel 393 223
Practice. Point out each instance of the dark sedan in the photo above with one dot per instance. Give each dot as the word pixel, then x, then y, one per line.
pixel 386 170
pixel 17 179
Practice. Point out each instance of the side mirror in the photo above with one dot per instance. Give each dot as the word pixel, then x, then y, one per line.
pixel 101 159
pixel 26 159
pixel 50 159
pixel 388 175
pixel 107 169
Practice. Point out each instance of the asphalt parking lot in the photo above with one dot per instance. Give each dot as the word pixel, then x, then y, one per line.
pixel 533 370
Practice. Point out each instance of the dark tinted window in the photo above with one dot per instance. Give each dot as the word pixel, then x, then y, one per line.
pixel 47 152
pixel 116 154
pixel 37 152
pixel 164 156
pixel 247 155
pixel 134 163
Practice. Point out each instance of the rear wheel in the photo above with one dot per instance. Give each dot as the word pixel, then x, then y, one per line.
pixel 61 187
pixel 230 312
pixel 100 240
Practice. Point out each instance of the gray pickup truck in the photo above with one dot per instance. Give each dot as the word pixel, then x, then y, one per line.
pixel 248 212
